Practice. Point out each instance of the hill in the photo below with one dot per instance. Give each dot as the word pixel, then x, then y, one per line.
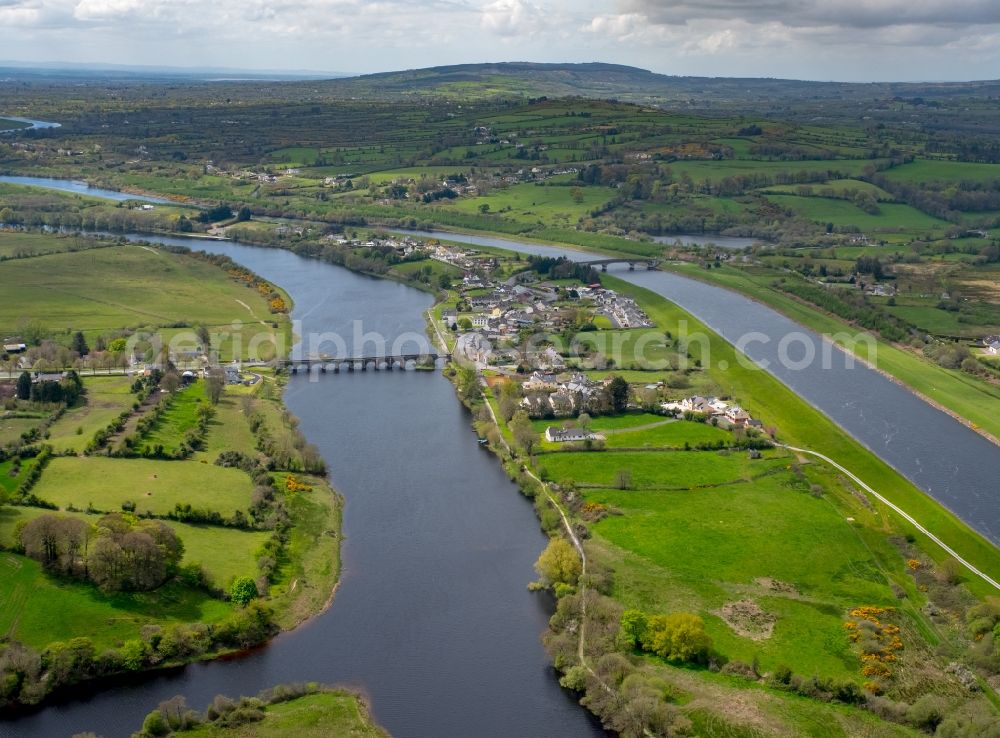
pixel 599 80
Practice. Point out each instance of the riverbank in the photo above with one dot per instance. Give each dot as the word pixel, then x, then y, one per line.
pixel 291 711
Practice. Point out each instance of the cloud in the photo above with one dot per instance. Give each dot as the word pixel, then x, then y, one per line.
pixel 843 13
pixel 511 18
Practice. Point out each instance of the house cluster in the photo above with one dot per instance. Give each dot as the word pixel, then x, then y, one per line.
pixel 547 395
pixel 622 311
pixel 501 310
pixel 992 345
pixel 725 412
pixel 402 245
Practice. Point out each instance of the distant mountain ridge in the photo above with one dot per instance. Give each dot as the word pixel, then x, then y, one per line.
pixel 602 80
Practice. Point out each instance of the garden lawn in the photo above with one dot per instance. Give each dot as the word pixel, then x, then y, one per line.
pixel 606 422
pixel 672 434
pixel 155 486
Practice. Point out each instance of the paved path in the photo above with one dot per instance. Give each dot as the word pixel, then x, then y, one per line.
pixel 902 513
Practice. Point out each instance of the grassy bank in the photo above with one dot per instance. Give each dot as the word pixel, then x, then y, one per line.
pixel 293 711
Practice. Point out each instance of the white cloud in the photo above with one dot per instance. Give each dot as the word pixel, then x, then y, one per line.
pixel 511 17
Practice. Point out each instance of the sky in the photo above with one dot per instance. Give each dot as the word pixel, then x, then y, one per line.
pixel 849 40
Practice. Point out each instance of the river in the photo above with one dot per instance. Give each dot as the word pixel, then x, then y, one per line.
pixel 78 187
pixel 432 619
pixel 34 124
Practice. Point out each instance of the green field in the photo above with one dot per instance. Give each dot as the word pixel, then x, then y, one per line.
pixel 177 420
pixel 936 170
pixel 102 290
pixel 9 482
pixel 671 435
pixel 12 428
pixel 223 552
pixel 669 470
pixel 699 544
pixel 104 399
pixel 608 422
pixel 154 486
pixel 531 203
pixel 800 424
pixel 39 609
pixel 892 216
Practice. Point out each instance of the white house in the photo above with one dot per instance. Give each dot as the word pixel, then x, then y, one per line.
pixel 570 435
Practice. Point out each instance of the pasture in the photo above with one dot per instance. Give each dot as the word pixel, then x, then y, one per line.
pixel 891 216
pixel 671 470
pixel 37 609
pixel 154 486
pixel 102 290
pixel 104 399
pixel 223 553
pixel 533 203
pixel 723 544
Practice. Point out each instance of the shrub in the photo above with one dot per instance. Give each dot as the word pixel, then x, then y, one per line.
pixel 243 590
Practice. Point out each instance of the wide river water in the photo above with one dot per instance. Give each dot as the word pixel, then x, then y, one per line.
pixel 432 618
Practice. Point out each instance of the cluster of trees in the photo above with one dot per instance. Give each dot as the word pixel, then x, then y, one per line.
pixel 174 715
pixel 676 637
pixel 870 265
pixel 118 553
pixel 27 676
pixel 849 306
pixel 66 390
pixel 945 200
pixel 215 214
pixel 289 450
pixel 563 268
